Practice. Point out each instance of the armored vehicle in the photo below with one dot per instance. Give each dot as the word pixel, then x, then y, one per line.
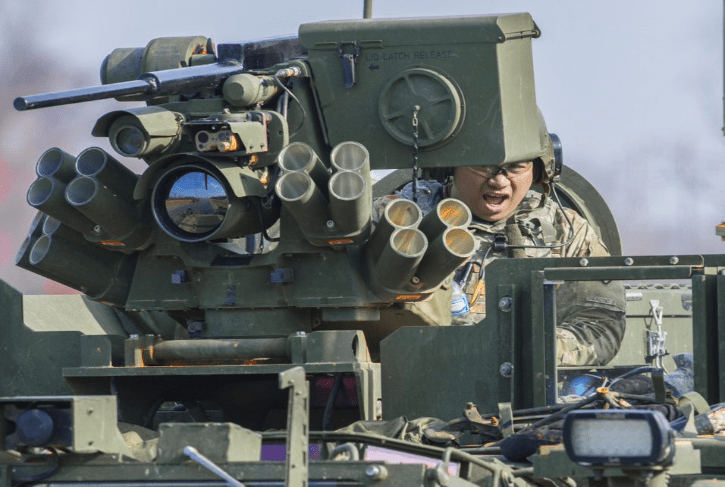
pixel 245 318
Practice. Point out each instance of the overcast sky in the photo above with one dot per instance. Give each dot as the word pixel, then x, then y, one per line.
pixel 633 88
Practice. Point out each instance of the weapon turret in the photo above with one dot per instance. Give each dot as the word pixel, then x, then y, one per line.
pixel 252 226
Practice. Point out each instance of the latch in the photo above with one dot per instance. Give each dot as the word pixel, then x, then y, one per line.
pixel 348 62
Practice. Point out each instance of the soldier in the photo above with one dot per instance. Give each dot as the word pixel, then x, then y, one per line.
pixel 590 314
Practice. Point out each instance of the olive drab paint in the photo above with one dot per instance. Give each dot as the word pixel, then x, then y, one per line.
pixel 244 282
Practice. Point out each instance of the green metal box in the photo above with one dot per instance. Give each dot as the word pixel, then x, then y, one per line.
pixel 472 78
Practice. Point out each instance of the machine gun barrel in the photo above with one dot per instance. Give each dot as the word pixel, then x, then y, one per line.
pixel 156 83
pixel 80 95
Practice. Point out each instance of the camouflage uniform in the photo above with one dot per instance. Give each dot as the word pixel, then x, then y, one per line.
pixel 590 314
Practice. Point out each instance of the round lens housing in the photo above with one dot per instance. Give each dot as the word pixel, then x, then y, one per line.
pixel 190 203
pixel 128 140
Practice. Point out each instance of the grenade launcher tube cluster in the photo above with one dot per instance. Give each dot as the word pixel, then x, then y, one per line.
pixel 410 252
pixel 329 210
pixel 81 201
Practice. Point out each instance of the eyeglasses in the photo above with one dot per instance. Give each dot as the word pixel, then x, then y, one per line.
pixel 510 170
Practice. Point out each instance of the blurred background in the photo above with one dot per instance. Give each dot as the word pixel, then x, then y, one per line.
pixel 633 89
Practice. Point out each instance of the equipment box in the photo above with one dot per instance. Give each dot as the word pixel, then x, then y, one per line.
pixel 463 73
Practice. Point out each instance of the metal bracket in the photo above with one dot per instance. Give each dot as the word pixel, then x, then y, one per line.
pixel 656 339
pixel 478 424
pixel 231 297
pixel 506 416
pixel 298 414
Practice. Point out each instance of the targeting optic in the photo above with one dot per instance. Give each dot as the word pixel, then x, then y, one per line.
pixel 140 132
pixel 197 202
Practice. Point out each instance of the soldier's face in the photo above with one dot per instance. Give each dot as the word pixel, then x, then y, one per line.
pixel 493 194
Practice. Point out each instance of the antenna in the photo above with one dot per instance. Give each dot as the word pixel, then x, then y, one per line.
pixel 368 9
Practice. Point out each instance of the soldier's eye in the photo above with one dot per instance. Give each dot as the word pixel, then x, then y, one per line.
pixel 518 167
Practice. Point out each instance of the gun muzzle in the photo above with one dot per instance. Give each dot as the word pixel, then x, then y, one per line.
pixel 47 194
pixel 114 214
pixel 397 214
pixel 304 200
pixel 350 201
pixel 299 156
pixel 58 164
pixel 448 213
pixel 400 258
pixel 445 254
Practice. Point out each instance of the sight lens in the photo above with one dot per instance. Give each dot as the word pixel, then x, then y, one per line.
pixel 190 203
pixel 130 141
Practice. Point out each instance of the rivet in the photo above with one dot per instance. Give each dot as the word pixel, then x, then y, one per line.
pixel 506 369
pixel 506 303
pixel 376 472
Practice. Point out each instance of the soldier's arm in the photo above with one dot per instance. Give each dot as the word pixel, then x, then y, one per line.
pixel 590 322
pixel 590 314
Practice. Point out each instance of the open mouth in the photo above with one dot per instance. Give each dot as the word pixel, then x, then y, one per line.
pixel 494 200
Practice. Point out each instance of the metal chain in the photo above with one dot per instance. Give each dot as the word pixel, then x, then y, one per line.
pixel 416 110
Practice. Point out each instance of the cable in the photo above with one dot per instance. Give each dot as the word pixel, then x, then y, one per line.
pixel 270 202
pixel 43 475
pixel 558 415
pixel 302 108
pixel 637 371
pixel 260 214
pixel 482 265
pixel 327 416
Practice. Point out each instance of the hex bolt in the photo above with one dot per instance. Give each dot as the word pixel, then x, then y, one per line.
pixel 584 262
pixel 506 303
pixel 506 369
pixel 376 472
pixel 628 261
